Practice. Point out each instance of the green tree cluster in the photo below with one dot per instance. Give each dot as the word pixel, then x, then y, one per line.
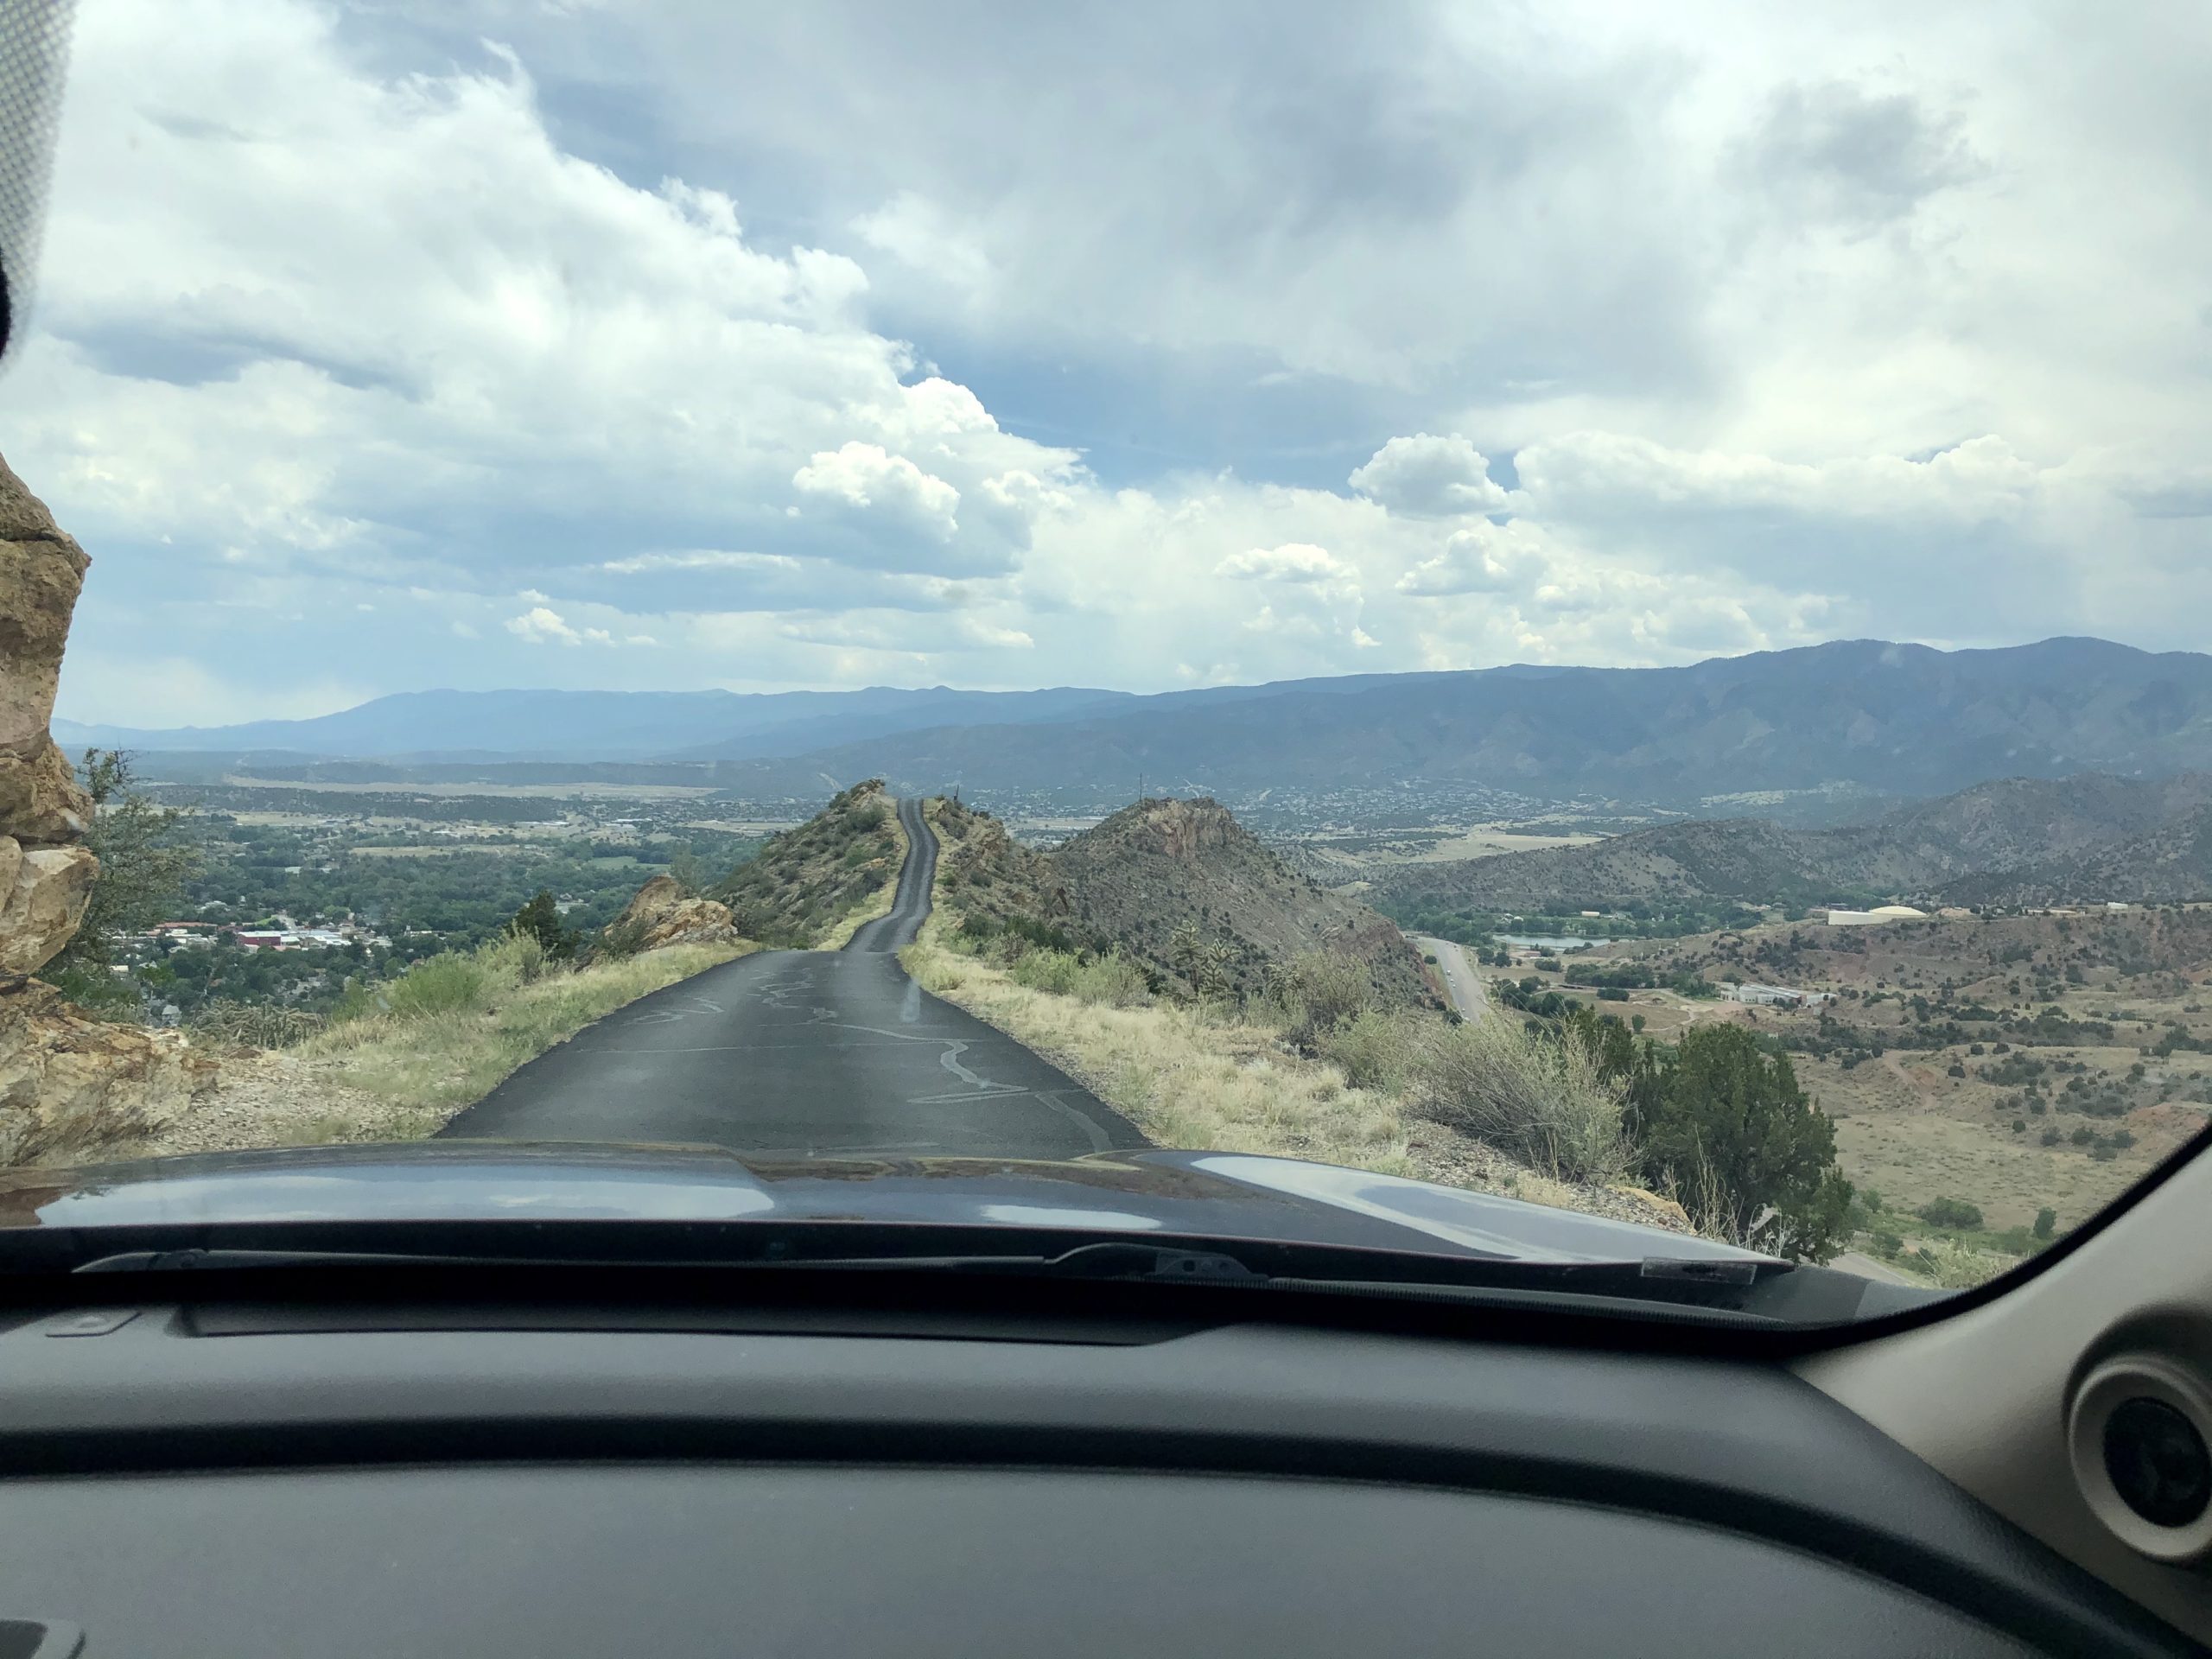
pixel 1726 1123
pixel 540 919
pixel 146 854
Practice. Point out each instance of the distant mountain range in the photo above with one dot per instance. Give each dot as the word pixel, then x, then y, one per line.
pixel 2018 841
pixel 601 726
pixel 1880 718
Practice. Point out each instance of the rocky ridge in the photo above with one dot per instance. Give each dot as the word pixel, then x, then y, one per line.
pixel 1161 871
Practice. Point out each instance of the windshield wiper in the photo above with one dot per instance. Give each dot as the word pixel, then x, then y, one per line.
pixel 1109 1260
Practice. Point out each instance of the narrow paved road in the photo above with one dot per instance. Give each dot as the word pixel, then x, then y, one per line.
pixel 1460 979
pixel 807 1053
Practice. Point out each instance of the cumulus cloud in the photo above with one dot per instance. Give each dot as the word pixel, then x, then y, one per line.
pixel 1430 477
pixel 1483 558
pixel 1293 562
pixel 865 477
pixel 833 402
pixel 541 624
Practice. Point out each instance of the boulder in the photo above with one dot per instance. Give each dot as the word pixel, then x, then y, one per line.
pixel 43 893
pixel 41 800
pixel 41 568
pixel 661 915
pixel 73 1087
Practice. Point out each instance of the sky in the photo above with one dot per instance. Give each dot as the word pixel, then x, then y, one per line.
pixel 489 343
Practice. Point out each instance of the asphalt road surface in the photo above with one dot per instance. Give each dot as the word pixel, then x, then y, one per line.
pixel 1460 979
pixel 807 1053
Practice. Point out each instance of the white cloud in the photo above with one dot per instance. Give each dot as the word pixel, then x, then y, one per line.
pixel 1430 477
pixel 922 236
pixel 701 559
pixel 1763 359
pixel 1482 558
pixel 1293 562
pixel 1980 479
pixel 543 625
pixel 865 476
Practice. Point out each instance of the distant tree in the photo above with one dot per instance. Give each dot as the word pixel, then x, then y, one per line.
pixel 1727 1122
pixel 540 919
pixel 2046 1218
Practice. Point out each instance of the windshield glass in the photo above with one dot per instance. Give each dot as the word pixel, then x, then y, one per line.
pixel 1546 640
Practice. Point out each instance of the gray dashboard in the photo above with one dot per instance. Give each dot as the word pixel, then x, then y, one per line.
pixel 301 1484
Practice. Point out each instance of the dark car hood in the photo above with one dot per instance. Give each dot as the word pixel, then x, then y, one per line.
pixel 1224 1195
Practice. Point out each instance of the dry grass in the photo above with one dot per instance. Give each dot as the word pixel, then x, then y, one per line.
pixel 1184 1077
pixel 493 1009
pixel 1202 1077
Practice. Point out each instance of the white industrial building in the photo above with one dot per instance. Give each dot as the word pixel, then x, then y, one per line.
pixel 1774 995
pixel 1875 917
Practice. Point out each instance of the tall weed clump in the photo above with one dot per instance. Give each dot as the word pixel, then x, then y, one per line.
pixel 1531 1095
pixel 1319 992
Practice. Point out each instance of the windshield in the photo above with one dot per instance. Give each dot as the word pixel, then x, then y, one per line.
pixel 1555 640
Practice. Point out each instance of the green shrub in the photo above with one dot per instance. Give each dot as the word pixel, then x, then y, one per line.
pixel 1950 1212
pixel 1375 1048
pixel 2046 1218
pixel 1727 1125
pixel 438 984
pixel 1048 971
pixel 1111 979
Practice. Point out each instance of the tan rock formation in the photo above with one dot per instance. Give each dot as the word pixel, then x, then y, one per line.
pixel 72 1088
pixel 43 893
pixel 664 915
pixel 41 568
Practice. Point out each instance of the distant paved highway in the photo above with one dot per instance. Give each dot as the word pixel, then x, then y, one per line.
pixel 807 1053
pixel 1460 979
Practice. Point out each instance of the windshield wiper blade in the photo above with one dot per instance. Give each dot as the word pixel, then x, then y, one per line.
pixel 1109 1260
pixel 187 1260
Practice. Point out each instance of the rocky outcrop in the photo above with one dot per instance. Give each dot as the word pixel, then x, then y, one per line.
pixel 43 893
pixel 41 568
pixel 660 915
pixel 1178 830
pixel 72 1087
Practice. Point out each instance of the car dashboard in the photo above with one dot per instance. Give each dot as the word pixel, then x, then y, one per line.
pixel 246 1475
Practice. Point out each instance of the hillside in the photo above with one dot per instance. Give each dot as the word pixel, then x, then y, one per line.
pixel 1862 716
pixel 1161 868
pixel 804 882
pixel 2013 840
pixel 2169 862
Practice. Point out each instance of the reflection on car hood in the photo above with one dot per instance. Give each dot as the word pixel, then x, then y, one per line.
pixel 1223 1195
